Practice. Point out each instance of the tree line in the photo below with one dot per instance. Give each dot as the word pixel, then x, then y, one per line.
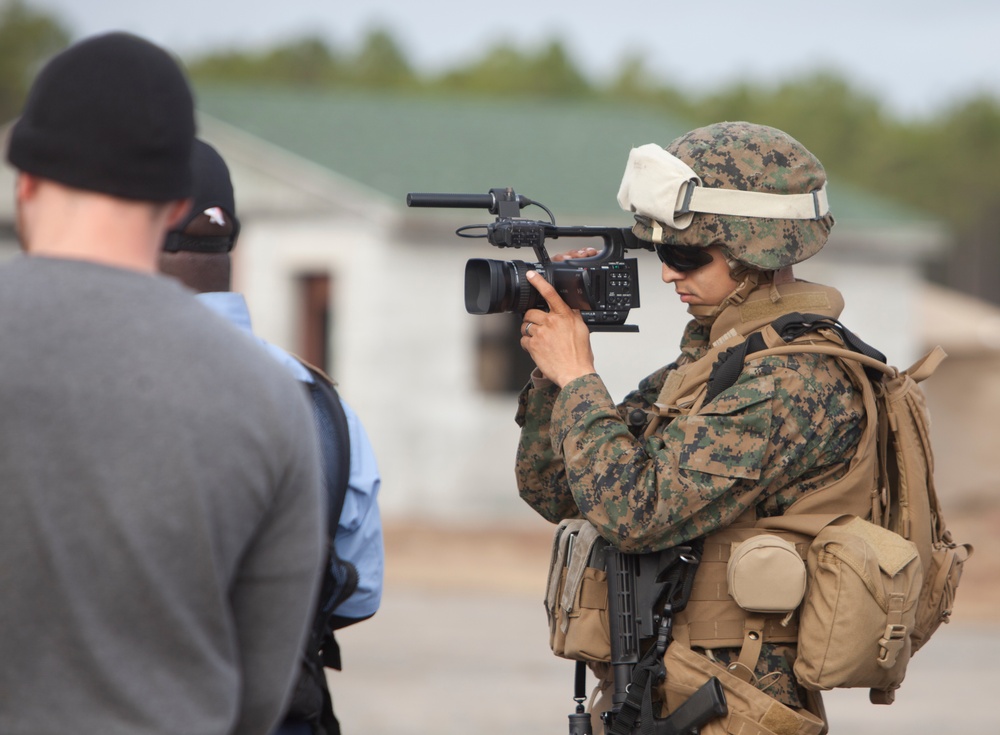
pixel 946 165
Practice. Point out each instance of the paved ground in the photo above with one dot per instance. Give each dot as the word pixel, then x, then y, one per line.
pixel 460 645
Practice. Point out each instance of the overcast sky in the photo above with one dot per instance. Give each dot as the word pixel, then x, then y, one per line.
pixel 916 56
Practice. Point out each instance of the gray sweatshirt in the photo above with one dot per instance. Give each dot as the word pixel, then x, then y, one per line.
pixel 160 515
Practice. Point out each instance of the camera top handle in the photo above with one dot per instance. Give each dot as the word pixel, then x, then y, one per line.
pixel 604 286
pixel 511 231
pixel 501 202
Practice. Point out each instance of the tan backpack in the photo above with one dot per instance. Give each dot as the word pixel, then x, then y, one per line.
pixel 877 589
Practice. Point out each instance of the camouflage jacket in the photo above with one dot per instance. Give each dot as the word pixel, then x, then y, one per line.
pixel 789 425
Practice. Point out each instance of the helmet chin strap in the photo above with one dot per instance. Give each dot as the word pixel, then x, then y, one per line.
pixel 705 314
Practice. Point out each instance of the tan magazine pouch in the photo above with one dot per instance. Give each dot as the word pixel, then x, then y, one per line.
pixel 751 711
pixel 576 601
pixel 766 574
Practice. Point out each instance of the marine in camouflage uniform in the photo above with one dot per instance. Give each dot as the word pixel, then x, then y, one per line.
pixel 789 425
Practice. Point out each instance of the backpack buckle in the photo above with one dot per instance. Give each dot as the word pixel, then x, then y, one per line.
pixel 891 644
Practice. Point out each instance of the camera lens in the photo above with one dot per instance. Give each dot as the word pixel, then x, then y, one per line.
pixel 494 286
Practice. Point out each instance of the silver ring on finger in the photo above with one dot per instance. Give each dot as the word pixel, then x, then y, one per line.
pixel 527 328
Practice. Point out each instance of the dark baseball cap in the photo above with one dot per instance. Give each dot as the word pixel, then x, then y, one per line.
pixel 212 190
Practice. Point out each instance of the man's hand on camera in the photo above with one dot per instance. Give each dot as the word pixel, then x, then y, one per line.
pixel 558 340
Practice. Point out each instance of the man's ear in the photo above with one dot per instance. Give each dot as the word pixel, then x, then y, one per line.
pixel 177 211
pixel 25 186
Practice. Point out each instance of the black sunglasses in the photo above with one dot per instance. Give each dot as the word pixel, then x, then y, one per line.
pixel 683 258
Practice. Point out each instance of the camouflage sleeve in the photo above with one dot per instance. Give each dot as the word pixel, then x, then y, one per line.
pixel 541 476
pixel 786 420
pixel 540 473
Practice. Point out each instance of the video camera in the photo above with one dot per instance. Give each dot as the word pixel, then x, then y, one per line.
pixel 604 287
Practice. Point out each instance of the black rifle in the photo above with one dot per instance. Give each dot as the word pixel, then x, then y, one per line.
pixel 645 591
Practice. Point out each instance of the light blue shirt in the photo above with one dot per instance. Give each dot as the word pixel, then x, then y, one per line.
pixel 359 534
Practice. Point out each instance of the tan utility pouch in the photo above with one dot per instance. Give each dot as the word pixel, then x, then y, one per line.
pixel 860 608
pixel 751 711
pixel 576 600
pixel 766 574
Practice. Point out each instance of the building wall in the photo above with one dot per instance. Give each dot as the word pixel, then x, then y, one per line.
pixel 404 350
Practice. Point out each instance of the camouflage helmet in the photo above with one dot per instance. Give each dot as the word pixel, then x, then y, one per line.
pixel 754 158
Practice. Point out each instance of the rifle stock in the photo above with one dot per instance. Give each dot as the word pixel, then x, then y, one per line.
pixel 644 592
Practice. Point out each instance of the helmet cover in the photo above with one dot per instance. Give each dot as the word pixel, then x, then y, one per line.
pixel 750 157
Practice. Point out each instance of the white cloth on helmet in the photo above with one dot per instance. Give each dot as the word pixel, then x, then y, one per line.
pixel 658 185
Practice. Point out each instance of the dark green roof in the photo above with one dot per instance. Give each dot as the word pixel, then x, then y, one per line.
pixel 569 155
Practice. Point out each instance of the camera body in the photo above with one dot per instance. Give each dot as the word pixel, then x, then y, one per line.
pixel 604 288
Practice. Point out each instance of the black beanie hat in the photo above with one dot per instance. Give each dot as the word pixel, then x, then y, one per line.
pixel 213 187
pixel 112 114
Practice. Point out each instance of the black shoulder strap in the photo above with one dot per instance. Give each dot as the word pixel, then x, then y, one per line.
pixel 334 440
pixel 335 449
pixel 729 364
pixel 311 701
pixel 794 325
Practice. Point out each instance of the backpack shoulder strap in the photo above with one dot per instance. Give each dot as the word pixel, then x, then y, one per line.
pixel 334 440
pixel 788 328
pixel 311 699
pixel 341 577
pixel 794 325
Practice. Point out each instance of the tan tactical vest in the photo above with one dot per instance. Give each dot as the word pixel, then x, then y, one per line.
pixel 712 619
